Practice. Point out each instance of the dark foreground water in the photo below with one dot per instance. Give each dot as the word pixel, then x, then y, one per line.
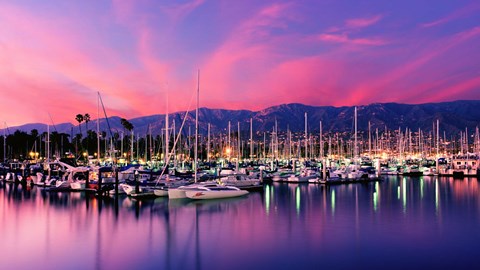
pixel 401 223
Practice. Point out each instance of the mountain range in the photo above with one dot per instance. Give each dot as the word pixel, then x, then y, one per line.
pixel 453 117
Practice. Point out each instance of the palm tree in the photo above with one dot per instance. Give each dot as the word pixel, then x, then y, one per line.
pixel 79 119
pixel 86 118
pixel 127 126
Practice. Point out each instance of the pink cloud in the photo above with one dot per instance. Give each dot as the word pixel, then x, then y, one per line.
pixel 242 51
pixel 78 71
pixel 397 83
pixel 342 34
pixel 343 38
pixel 362 22
pixel 471 8
pixel 177 12
pixel 461 90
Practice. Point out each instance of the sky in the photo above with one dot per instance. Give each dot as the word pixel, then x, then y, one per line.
pixel 144 57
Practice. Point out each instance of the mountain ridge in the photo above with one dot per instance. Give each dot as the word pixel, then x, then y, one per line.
pixel 454 116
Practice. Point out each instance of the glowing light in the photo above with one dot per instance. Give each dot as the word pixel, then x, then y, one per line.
pixel 333 202
pixel 436 195
pixel 267 199
pixel 404 193
pixel 297 199
pixel 421 188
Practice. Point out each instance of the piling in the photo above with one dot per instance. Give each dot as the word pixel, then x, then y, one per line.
pixel 100 182
pixel 87 180
pixel 137 183
pixel 116 182
pixel 324 169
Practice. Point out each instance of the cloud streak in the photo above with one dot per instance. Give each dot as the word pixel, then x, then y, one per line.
pixel 251 55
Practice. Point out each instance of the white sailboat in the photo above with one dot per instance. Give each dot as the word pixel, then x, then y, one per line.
pixel 211 190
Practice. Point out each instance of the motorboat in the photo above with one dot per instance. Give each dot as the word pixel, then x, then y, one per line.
pixel 214 192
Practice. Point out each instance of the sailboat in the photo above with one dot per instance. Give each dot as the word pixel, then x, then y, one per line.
pixel 210 190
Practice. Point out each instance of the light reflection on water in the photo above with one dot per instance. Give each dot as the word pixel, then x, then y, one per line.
pixel 399 223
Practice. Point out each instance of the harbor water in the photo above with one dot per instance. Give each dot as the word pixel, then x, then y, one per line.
pixel 399 223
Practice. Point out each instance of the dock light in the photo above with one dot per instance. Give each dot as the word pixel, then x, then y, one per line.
pixel 228 150
pixel 32 154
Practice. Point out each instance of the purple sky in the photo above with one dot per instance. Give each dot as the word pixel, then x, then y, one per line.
pixel 55 55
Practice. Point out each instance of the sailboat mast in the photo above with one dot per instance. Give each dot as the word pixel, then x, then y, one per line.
pixel 174 146
pixel 48 142
pixel 167 139
pixel 208 143
pixel 306 138
pixel 228 145
pixel 369 139
pixel 355 147
pixel 238 143
pixel 98 128
pixel 321 141
pixel 251 138
pixel 5 143
pixel 196 126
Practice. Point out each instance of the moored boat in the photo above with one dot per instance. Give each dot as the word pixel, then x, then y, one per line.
pixel 215 192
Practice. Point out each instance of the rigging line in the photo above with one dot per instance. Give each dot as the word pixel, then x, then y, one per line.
pixel 7 129
pixel 105 113
pixel 53 124
pixel 176 140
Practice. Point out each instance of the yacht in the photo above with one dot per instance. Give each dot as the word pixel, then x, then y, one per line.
pixel 214 192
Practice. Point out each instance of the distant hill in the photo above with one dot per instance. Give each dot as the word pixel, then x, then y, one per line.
pixel 453 116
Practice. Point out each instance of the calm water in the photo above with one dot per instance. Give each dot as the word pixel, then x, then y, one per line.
pixel 396 224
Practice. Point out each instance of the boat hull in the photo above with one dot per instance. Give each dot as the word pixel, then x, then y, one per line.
pixel 176 193
pixel 207 195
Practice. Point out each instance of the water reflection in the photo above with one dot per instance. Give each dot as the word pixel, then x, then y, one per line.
pixel 286 226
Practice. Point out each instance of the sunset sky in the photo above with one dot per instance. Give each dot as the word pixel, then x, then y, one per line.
pixel 56 55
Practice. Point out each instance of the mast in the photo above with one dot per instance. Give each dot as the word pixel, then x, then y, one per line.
pixel 121 145
pixel 251 138
pixel 275 148
pixel 131 143
pixel 321 140
pixel 98 128
pixel 196 126
pixel 48 142
pixel 369 139
pixel 174 146
pixel 238 142
pixel 306 138
pixel 355 150
pixel 264 144
pixel 208 143
pixel 5 143
pixel 167 139
pixel 436 158
pixel 438 140
pixel 228 142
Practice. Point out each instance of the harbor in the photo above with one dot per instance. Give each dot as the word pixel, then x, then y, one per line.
pixel 225 135
pixel 286 225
